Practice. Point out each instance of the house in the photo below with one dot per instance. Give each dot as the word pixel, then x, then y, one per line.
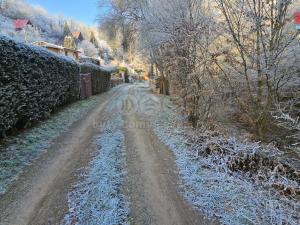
pixel 59 49
pixel 69 42
pixel 21 24
pixel 78 37
pixel 51 47
pixel 73 53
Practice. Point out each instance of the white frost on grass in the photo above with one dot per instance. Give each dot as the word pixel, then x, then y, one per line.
pixel 21 150
pixel 97 199
pixel 208 185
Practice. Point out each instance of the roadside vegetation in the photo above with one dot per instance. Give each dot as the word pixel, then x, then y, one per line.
pixel 20 151
pixel 234 180
pixel 232 69
pixel 227 62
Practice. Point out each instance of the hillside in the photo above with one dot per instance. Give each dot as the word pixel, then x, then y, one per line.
pixel 49 28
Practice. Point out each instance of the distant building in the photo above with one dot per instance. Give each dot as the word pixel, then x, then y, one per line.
pixel 75 54
pixel 21 24
pixel 69 42
pixel 78 37
pixel 51 47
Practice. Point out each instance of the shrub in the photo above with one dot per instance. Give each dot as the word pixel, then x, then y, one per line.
pixel 88 48
pixel 33 83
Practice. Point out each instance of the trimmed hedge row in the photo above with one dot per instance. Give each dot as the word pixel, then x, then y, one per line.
pixel 100 77
pixel 33 83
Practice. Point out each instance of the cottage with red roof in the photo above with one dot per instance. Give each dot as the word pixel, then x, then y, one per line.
pixel 21 24
pixel 78 37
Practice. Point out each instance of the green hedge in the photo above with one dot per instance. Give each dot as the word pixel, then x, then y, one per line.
pixel 33 83
pixel 100 77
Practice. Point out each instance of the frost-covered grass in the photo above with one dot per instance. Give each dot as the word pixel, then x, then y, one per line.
pixel 97 199
pixel 21 150
pixel 217 193
pixel 211 187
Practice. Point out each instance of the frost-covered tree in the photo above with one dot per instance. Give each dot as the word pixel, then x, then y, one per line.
pixel 239 54
pixel 93 39
pixel 120 23
pixel 67 31
pixel 88 49
pixel 50 27
pixel 105 50
pixel 261 56
pixel 30 34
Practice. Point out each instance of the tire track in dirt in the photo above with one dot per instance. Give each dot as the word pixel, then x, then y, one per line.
pixel 152 182
pixel 39 197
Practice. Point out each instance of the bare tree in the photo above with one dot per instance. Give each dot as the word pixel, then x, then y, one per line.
pixel 260 58
pixel 244 52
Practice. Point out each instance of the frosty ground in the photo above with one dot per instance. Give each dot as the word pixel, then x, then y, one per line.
pixel 124 157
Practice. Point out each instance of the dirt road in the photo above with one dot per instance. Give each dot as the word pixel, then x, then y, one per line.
pixel 39 196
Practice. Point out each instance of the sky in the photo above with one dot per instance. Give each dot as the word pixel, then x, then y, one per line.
pixel 80 10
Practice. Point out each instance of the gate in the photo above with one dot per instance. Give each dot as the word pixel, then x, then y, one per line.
pixel 85 85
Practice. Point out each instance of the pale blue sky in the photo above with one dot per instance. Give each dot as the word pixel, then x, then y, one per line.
pixel 81 10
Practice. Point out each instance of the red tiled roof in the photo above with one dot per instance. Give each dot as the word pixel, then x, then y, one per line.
pixel 76 34
pixel 297 17
pixel 19 24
